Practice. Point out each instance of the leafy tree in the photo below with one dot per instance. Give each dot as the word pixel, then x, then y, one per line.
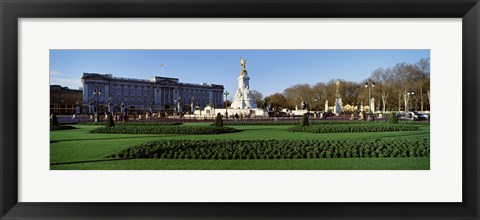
pixel 393 118
pixel 109 123
pixel 218 120
pixel 305 120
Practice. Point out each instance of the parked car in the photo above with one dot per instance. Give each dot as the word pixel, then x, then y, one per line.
pixel 421 116
pixel 408 116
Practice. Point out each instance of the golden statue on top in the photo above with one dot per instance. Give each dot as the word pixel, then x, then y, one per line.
pixel 243 63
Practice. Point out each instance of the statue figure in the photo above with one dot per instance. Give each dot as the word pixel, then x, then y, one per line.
pixel 243 64
pixel 109 104
pixel 303 105
pixel 246 92
pixel 238 94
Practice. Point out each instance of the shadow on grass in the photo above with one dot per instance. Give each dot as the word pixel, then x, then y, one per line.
pixel 98 139
pixel 88 161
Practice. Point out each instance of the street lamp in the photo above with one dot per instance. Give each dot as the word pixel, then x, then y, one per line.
pixel 175 105
pixel 369 85
pixel 179 105
pixel 226 93
pixel 97 93
pixel 410 93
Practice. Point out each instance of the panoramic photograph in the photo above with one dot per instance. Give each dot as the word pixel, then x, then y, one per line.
pixel 239 109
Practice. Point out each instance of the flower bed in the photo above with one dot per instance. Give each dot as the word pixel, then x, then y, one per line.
pixel 276 149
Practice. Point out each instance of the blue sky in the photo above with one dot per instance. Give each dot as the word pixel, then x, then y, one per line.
pixel 270 70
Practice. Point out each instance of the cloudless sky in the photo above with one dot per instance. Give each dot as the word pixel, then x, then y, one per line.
pixel 270 70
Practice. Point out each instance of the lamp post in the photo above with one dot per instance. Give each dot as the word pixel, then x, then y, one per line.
pixel 410 93
pixel 226 93
pixel 97 93
pixel 175 106
pixel 369 85
pixel 192 105
pixel 179 105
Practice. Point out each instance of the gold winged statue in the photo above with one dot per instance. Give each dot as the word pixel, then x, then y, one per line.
pixel 243 63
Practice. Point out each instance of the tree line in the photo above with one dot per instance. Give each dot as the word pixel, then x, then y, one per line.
pixel 403 87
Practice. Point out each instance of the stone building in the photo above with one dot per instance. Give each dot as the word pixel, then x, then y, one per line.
pixel 64 100
pixel 140 95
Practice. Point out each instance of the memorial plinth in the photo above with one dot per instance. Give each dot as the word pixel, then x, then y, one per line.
pixel 243 97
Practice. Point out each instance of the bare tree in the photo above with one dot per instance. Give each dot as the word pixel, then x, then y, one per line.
pixel 319 91
pixel 383 79
pixel 400 77
pixel 421 76
pixel 298 93
pixel 257 97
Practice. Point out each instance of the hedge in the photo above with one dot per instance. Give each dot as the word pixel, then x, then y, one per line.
pixel 274 123
pixel 163 130
pixel 367 127
pixel 317 122
pixel 415 122
pixel 135 123
pixel 276 149
pixel 61 127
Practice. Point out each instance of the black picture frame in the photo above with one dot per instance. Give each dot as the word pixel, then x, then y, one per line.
pixel 12 10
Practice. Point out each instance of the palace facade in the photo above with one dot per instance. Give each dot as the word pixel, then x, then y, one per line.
pixel 116 94
pixel 64 100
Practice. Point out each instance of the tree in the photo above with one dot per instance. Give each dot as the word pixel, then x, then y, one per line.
pixel 277 100
pixel 218 120
pixel 402 79
pixel 421 75
pixel 297 94
pixel 351 92
pixel 257 97
pixel 305 120
pixel 331 92
pixel 383 83
pixel 393 118
pixel 109 123
pixel 318 90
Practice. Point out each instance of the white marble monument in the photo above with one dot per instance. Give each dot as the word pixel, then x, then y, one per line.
pixel 243 97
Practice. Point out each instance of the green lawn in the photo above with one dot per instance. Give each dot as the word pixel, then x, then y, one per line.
pixel 78 149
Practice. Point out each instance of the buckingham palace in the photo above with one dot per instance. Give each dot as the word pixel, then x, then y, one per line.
pixel 116 94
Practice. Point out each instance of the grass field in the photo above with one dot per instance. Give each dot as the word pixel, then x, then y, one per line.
pixel 78 149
